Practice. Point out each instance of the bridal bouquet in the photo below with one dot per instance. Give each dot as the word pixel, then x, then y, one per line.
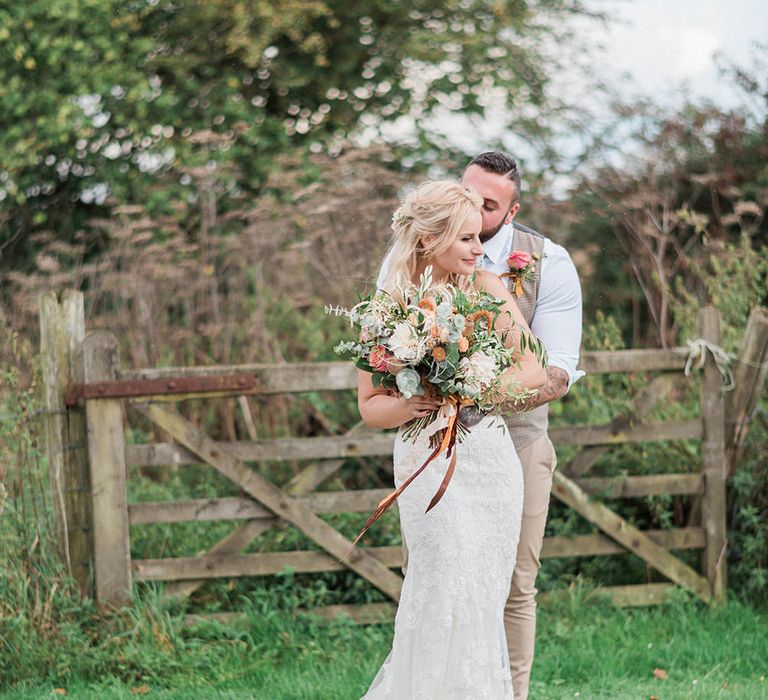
pixel 438 340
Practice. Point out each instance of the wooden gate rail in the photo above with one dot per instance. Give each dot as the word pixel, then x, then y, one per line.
pixel 301 562
pixel 87 366
pixel 178 383
pixel 380 445
pixel 364 501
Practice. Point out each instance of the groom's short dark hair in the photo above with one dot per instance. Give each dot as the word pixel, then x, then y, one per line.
pixel 500 164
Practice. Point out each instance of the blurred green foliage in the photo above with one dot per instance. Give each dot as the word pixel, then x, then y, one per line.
pixel 107 103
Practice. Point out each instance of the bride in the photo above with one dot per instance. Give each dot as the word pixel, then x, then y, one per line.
pixel 449 641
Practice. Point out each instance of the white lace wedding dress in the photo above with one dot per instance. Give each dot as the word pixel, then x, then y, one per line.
pixel 449 639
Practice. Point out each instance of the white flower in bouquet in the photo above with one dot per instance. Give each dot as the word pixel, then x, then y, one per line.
pixel 479 371
pixel 406 344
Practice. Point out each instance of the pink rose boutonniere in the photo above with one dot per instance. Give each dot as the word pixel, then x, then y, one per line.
pixel 522 266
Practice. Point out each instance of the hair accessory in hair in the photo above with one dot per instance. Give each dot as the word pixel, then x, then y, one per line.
pixel 399 217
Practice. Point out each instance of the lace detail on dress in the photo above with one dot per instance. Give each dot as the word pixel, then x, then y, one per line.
pixel 449 639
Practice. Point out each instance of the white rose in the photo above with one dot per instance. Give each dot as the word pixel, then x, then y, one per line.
pixel 478 370
pixel 405 344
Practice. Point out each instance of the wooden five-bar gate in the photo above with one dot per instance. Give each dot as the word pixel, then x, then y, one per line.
pixel 87 393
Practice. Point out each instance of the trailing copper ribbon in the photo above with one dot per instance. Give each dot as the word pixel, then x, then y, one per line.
pixel 452 429
pixel 447 443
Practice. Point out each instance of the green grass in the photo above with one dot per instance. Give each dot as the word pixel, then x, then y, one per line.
pixel 585 650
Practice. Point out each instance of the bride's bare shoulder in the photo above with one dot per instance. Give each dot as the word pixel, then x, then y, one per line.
pixel 490 282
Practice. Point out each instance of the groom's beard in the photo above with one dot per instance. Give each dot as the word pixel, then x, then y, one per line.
pixel 486 235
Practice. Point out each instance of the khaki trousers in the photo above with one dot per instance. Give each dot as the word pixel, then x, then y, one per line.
pixel 539 461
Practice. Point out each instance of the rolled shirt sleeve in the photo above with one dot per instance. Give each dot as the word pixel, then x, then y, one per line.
pixel 557 316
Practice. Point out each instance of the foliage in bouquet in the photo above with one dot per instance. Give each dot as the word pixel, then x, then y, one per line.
pixel 435 339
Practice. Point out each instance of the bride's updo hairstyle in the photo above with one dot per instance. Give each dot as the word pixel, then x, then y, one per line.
pixel 426 225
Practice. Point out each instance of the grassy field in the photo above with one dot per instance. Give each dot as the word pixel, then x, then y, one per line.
pixel 585 651
pixel 53 644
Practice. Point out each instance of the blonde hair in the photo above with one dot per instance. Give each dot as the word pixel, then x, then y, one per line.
pixel 426 225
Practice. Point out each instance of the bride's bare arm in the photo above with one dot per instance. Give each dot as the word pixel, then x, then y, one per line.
pixel 530 374
pixel 379 408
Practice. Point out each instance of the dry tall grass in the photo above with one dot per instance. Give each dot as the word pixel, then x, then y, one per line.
pixel 220 279
pixel 193 287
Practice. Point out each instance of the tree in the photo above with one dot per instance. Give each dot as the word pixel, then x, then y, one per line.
pixel 100 98
pixel 695 182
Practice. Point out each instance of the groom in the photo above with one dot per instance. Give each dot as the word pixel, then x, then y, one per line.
pixel 551 304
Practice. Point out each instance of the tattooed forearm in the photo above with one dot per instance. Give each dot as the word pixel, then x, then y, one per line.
pixel 554 388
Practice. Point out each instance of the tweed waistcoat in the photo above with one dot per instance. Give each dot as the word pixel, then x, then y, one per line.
pixel 526 427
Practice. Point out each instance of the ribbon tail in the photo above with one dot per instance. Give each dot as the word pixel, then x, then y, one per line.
pixel 518 287
pixel 450 443
pixel 389 500
pixel 444 485
pixel 449 439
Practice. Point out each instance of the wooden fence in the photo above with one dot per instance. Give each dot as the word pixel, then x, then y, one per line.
pixel 89 395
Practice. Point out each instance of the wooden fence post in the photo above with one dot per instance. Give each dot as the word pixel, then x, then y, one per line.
pixel 106 449
pixel 713 458
pixel 749 377
pixel 62 330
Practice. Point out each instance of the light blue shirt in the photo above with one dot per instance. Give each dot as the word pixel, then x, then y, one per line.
pixel 557 315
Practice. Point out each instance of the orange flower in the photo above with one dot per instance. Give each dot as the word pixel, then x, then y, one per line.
pixel 468 328
pixel 485 314
pixel 434 331
pixel 439 353
pixel 428 305
pixel 463 344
